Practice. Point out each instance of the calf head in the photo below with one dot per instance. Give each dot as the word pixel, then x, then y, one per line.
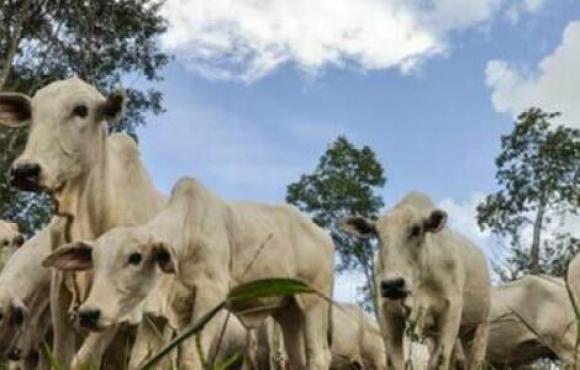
pixel 13 314
pixel 126 262
pixel 403 234
pixel 68 130
pixel 10 236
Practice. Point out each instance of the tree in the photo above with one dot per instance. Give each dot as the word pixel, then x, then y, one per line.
pixel 102 42
pixel 345 182
pixel 538 171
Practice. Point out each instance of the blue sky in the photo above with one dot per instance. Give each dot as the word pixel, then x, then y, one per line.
pixel 250 109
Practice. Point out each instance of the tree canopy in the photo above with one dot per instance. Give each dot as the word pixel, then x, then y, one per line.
pixel 346 181
pixel 538 173
pixel 105 42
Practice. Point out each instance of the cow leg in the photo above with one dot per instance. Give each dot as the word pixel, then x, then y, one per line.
pixel 393 332
pixel 151 335
pixel 291 321
pixel 316 330
pixel 64 345
pixel 476 347
pixel 93 348
pixel 206 298
pixel 447 335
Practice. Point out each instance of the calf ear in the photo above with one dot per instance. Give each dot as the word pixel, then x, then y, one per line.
pixel 76 256
pixel 165 258
pixel 113 109
pixel 15 109
pixel 359 226
pixel 436 221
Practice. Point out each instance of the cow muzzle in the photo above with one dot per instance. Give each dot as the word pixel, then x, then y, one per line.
pixel 89 319
pixel 26 176
pixel 394 289
pixel 14 354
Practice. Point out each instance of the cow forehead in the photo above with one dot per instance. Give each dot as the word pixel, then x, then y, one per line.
pixel 396 218
pixel 67 90
pixel 123 237
pixel 8 228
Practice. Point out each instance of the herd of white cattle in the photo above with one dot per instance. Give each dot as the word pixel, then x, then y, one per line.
pixel 121 269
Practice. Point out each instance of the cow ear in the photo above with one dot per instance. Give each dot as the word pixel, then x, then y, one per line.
pixel 76 256
pixel 165 258
pixel 436 221
pixel 358 226
pixel 113 109
pixel 15 109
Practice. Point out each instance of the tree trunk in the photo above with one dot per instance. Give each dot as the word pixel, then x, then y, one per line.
pixel 535 249
pixel 14 42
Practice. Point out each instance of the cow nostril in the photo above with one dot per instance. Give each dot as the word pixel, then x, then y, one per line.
pixel 89 318
pixel 14 354
pixel 394 288
pixel 25 176
pixel 18 316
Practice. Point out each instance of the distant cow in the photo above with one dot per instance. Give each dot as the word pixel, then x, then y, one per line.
pixel 97 181
pixel 530 319
pixel 10 238
pixel 357 342
pixel 212 245
pixel 429 276
pixel 24 298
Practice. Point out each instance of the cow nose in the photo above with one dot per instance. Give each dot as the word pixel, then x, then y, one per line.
pixel 14 354
pixel 25 176
pixel 89 318
pixel 394 289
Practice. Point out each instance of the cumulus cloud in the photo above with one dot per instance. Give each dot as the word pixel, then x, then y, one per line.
pixel 554 85
pixel 247 39
pixel 462 216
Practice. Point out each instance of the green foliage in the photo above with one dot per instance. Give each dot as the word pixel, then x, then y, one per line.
pixel 538 171
pixel 102 42
pixel 346 181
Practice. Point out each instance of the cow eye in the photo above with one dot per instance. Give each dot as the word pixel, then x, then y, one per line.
pixel 135 258
pixel 19 240
pixel 80 111
pixel 415 231
pixel 5 243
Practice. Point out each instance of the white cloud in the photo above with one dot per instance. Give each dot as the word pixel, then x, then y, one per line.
pixel 554 85
pixel 463 218
pixel 247 39
pixel 518 8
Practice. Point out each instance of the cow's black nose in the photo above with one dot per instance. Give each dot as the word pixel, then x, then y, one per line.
pixel 394 289
pixel 25 176
pixel 14 354
pixel 89 318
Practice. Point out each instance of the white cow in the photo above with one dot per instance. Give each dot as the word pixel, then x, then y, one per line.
pixel 97 181
pixel 24 286
pixel 430 276
pixel 212 245
pixel 530 319
pixel 10 238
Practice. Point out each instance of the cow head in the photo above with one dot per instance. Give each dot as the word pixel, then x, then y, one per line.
pixel 68 130
pixel 10 238
pixel 13 314
pixel 403 234
pixel 126 262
